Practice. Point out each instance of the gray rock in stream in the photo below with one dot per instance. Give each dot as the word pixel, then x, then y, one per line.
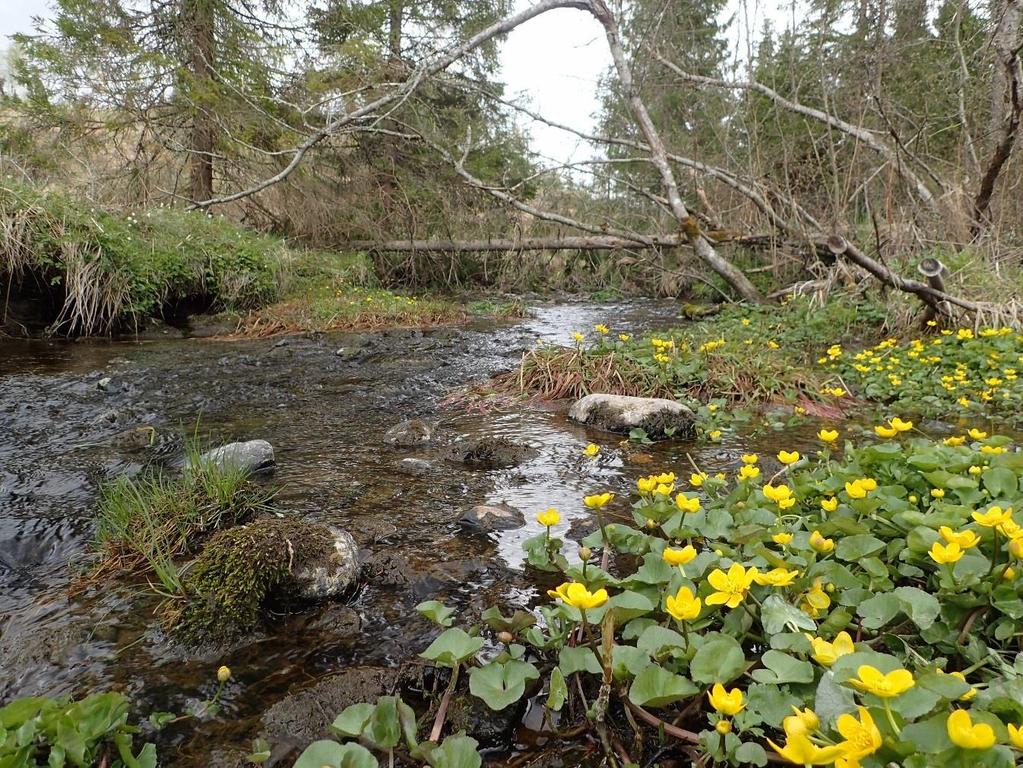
pixel 619 413
pixel 495 517
pixel 332 575
pixel 409 434
pixel 251 457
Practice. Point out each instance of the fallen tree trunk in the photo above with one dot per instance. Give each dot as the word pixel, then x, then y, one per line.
pixel 577 243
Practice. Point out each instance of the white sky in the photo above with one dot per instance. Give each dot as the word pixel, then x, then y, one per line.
pixel 554 62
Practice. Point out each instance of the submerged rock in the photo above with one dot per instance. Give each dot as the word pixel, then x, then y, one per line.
pixel 620 413
pixel 497 517
pixel 489 453
pixel 251 457
pixel 409 434
pixel 329 574
pixel 415 467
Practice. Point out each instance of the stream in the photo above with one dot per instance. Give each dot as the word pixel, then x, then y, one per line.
pixel 69 419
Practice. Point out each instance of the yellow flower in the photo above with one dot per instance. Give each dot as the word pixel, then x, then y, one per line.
pixel 773 345
pixel 828 435
pixel 776 577
pixel 598 501
pixel 602 329
pixel 664 489
pixel 975 470
pixel 683 605
pixel 829 505
pixel 749 458
pixel 972 693
pixel 646 484
pixel 678 556
pixel 885 432
pixel 816 600
pixel 964 733
pixel 826 654
pixel 976 434
pixel 995 516
pixel 886 686
pixel 1008 575
pixel 857 489
pixel 665 478
pixel 624 336
pixel 788 457
pixel 938 493
pixel 696 479
pixel 799 750
pixel 748 472
pixel 821 544
pixel 950 553
pixel 777 493
pixel 223 674
pixel 899 425
pixel 591 449
pixel 804 721
pixel 954 441
pixel 728 703
pixel 578 596
pixel 861 735
pixel 577 337
pixel 992 450
pixel 714 434
pixel 686 504
pixel 782 538
pixel 1015 736
pixel 731 587
pixel 723 726
pixel 965 539
pixel 549 518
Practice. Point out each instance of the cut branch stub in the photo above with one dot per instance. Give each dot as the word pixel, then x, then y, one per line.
pixel 837 245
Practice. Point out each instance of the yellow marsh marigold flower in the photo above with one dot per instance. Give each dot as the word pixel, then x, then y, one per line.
pixel 578 596
pixel 861 735
pixel 678 556
pixel 1015 736
pixel 938 493
pixel 821 544
pixel 788 457
pixel 602 329
pixel 624 336
pixel 804 721
pixel 549 518
pixel 826 654
pixel 1015 548
pixel 886 686
pixel 664 489
pixel 976 434
pixel 857 489
pixel 970 694
pixel 829 505
pixel 885 432
pixel 969 735
pixel 828 435
pixel 728 703
pixel 696 479
pixel 665 478
pixel 777 493
pixel 749 458
pixel 646 484
pixel 947 554
pixel 782 538
pixel 776 577
pixel 954 441
pixel 799 750
pixel 899 425
pixel 683 605
pixel 591 450
pixel 714 434
pixel 748 472
pixel 1008 575
pixel 598 501
pixel 731 587
pixel 223 674
pixel 686 504
pixel 995 516
pixel 965 539
pixel 992 450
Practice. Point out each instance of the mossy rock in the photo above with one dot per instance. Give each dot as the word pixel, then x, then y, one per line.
pixel 241 570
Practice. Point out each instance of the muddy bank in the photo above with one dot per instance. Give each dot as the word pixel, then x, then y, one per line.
pixel 74 415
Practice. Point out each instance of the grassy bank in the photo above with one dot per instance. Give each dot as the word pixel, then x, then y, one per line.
pixel 93 271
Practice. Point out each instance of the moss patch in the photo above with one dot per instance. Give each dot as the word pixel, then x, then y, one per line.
pixel 229 583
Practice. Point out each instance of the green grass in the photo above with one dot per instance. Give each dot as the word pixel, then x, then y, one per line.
pixel 146 522
pixel 110 271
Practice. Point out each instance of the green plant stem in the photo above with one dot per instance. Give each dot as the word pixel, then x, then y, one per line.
pixel 891 717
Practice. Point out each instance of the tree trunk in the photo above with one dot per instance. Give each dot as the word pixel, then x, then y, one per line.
pixel 395 12
pixel 200 37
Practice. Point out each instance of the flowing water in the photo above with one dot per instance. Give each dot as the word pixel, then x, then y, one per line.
pixel 69 414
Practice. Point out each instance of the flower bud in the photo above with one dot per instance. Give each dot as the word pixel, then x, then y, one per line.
pixel 505 637
pixel 723 726
pixel 585 553
pixel 223 674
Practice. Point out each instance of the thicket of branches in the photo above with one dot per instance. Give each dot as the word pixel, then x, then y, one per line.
pixel 868 134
